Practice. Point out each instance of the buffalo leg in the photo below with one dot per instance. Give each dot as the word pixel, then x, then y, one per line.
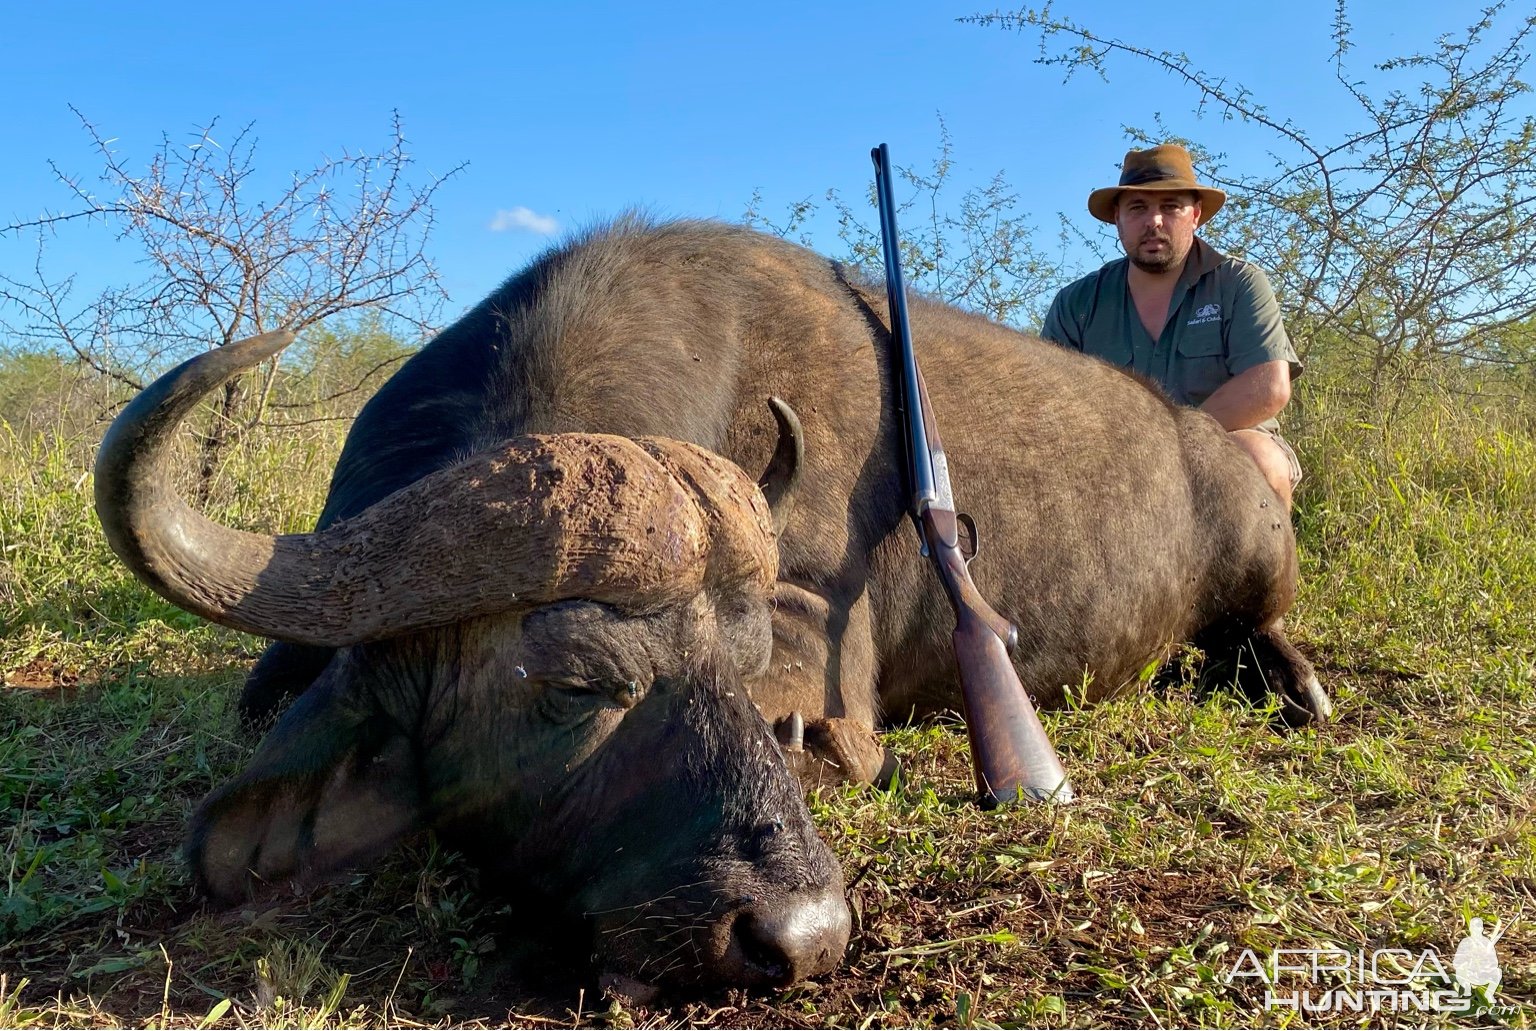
pixel 834 751
pixel 1264 663
pixel 334 784
pixel 283 672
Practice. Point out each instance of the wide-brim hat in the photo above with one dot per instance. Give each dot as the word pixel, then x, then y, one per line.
pixel 1164 167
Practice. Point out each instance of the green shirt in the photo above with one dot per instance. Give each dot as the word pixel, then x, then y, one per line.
pixel 1222 321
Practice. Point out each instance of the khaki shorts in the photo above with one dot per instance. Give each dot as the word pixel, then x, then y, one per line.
pixel 1290 454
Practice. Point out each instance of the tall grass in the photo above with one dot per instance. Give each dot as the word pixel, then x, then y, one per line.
pixel 1201 832
pixel 1418 541
pixel 69 610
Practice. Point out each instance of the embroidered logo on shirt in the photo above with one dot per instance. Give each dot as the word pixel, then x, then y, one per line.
pixel 1207 313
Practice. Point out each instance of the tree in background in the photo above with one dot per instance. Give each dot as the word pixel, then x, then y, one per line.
pixel 979 252
pixel 50 392
pixel 347 236
pixel 333 369
pixel 1408 244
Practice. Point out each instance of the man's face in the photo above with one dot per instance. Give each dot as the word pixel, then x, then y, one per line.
pixel 1157 228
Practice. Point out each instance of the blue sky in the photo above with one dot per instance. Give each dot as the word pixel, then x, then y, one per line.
pixel 577 111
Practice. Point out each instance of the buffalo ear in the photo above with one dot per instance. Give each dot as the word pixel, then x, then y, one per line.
pixel 779 480
pixel 331 787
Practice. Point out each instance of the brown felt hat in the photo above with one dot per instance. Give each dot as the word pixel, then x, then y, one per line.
pixel 1164 167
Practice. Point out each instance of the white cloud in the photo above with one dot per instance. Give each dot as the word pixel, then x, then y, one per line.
pixel 509 219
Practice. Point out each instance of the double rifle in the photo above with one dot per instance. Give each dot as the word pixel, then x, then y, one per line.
pixel 1012 756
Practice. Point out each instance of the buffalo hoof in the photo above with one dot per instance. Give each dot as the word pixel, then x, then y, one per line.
pixel 1288 675
pixel 1265 665
pixel 834 751
pixel 1305 702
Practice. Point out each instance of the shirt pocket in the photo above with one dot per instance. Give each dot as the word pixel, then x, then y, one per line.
pixel 1112 348
pixel 1201 366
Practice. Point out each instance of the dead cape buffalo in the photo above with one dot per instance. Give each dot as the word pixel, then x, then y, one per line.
pixel 543 615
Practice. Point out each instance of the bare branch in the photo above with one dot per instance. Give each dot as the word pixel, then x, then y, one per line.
pixel 1411 237
pixel 345 236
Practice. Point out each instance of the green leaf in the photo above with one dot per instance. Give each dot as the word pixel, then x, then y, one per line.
pixel 215 1014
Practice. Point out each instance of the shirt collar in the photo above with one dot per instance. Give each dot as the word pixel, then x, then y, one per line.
pixel 1203 258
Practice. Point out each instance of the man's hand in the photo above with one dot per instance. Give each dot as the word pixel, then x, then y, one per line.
pixel 1251 397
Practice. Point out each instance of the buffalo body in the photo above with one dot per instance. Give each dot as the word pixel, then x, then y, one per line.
pixel 600 723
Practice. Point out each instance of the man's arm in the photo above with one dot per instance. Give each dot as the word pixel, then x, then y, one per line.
pixel 1250 397
pixel 1253 333
pixel 1059 327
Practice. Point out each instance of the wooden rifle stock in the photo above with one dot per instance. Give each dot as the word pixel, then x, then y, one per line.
pixel 1012 756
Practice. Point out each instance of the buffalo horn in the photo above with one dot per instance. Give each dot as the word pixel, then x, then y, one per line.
pixel 634 523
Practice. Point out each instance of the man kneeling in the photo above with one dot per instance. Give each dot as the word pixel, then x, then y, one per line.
pixel 1203 325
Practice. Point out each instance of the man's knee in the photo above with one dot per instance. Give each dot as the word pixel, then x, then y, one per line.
pixel 1274 459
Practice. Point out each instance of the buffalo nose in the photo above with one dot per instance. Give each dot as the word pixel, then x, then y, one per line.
pixel 798 937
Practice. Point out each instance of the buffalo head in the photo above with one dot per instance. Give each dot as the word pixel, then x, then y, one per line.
pixel 540 654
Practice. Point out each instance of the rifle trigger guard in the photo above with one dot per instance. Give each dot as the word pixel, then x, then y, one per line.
pixel 971 537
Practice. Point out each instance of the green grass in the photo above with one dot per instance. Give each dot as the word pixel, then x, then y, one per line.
pixel 1201 831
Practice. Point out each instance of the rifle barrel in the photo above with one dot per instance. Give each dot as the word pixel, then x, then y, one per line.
pixel 919 460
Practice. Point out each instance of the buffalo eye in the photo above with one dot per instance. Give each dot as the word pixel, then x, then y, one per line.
pixel 566 699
